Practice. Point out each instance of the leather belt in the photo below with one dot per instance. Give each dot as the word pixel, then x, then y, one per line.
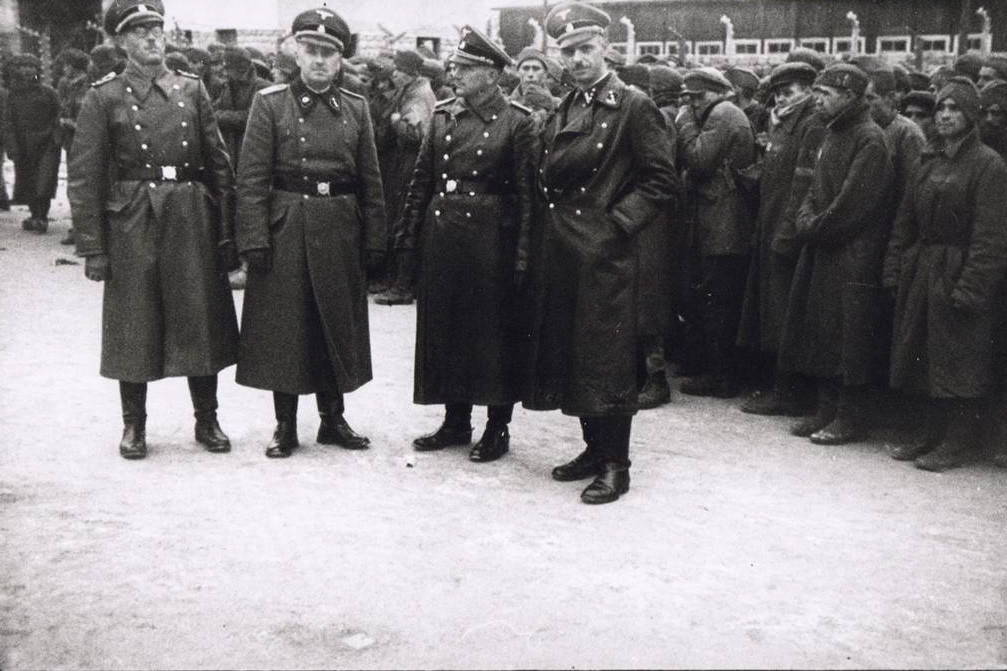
pixel 313 186
pixel 160 173
pixel 468 187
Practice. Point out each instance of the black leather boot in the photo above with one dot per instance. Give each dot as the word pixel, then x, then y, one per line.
pixel 285 437
pixel 956 447
pixel 825 412
pixel 496 438
pixel 935 424
pixel 456 430
pixel 203 391
pixel 585 465
pixel 849 425
pixel 611 483
pixel 613 448
pixel 333 429
pixel 133 397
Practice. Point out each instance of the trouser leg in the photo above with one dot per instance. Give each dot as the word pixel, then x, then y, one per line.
pixel 499 416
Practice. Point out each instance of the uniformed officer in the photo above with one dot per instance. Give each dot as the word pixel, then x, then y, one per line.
pixel 470 201
pixel 309 206
pixel 151 190
pixel 606 173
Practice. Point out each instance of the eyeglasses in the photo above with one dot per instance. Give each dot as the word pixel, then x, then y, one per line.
pixel 147 31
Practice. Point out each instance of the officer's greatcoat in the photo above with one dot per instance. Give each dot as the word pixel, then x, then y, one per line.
pixel 605 174
pixel 308 189
pixel 168 309
pixel 470 201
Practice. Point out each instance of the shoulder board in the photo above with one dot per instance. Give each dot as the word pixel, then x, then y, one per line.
pixel 517 105
pixel 352 94
pixel 183 73
pixel 444 104
pixel 275 88
pixel 104 80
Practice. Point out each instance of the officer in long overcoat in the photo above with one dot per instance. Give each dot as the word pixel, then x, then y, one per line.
pixel 831 325
pixel 470 202
pixel 151 191
pixel 795 135
pixel 605 173
pixel 310 210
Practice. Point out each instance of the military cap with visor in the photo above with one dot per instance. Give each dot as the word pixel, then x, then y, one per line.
pixel 322 26
pixel 124 14
pixel 474 48
pixel 571 23
pixel 843 76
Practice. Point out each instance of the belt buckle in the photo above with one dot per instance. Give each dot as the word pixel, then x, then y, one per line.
pixel 324 188
pixel 451 186
pixel 169 173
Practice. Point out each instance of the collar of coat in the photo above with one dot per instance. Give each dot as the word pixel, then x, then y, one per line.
pixel 487 109
pixel 850 116
pixel 306 98
pixel 141 83
pixel 607 92
pixel 953 148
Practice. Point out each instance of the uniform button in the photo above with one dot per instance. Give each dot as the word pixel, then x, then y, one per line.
pixel 472 194
pixel 129 89
pixel 578 213
pixel 486 133
pixel 552 206
pixel 475 172
pixel 442 194
pixel 143 146
pixel 135 108
pixel 149 165
pixel 305 196
pixel 153 185
pixel 447 138
pixel 437 213
pixel 138 127
pixel 185 143
pixel 185 124
pixel 601 145
pixel 604 124
pixel 301 120
pixel 447 156
pixel 176 87
pixel 444 176
pixel 468 215
pixel 181 104
pixel 186 165
pixel 479 152
pixel 304 139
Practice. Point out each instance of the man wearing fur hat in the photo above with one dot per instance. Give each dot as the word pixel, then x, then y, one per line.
pixel 151 190
pixel 831 325
pixel 311 218
pixel 606 171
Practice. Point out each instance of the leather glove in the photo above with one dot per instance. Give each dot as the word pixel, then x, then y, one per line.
pixel 374 260
pixel 227 257
pixel 96 267
pixel 259 260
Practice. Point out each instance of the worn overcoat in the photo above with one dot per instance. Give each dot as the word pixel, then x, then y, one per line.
pixel 831 326
pixel 34 142
pixel 168 310
pixel 949 254
pixel 304 323
pixel 605 173
pixel 470 202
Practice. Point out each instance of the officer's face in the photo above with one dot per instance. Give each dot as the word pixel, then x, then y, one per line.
pixel 144 44
pixel 832 101
pixel 531 72
pixel 586 61
pixel 470 81
pixel 319 63
pixel 950 120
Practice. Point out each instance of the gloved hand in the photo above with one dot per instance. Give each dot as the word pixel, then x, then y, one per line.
pixel 96 267
pixel 259 260
pixel 227 256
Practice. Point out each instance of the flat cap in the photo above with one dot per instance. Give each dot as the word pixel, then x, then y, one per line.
pixel 529 54
pixel 75 58
pixel 636 75
pixel 967 65
pixel 196 55
pixel 432 69
pixel 883 79
pixel 176 60
pixel 706 79
pixel 615 58
pixel 922 99
pixel 408 61
pixel 806 55
pixel 665 80
pixel 994 93
pixel 236 57
pixel 324 26
pixel 918 81
pixel 999 65
pixel 843 76
pixel 795 72
pixel 474 48
pixel 742 78
pixel 122 14
pixel 571 23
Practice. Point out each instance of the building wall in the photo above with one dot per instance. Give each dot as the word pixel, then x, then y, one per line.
pixel 9 20
pixel 759 20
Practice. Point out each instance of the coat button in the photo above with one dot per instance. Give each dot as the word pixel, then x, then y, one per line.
pixel 447 156
pixel 305 196
pixel 552 206
pixel 143 147
pixel 149 165
pixel 479 152
pixel 185 143
pixel 138 127
pixel 176 87
pixel 153 185
pixel 135 108
pixel 468 215
pixel 472 194
pixel 604 124
pixel 447 138
pixel 601 145
pixel 301 120
pixel 444 176
pixel 185 124
pixel 578 213
pixel 181 104
pixel 486 133
pixel 475 172
pixel 304 139
pixel 437 213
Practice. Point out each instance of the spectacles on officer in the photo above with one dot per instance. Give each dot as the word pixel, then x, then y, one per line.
pixel 149 30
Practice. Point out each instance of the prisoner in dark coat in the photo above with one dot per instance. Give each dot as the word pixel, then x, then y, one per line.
pixel 309 209
pixel 151 191
pixel 235 98
pixel 470 202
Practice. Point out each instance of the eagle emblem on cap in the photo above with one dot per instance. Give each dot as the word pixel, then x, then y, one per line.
pixel 324 14
pixel 561 15
pixel 142 8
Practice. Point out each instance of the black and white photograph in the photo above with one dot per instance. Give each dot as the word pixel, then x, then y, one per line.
pixel 503 334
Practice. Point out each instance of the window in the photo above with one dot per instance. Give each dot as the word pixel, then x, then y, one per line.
pixel 893 45
pixel 709 48
pixel 819 44
pixel 974 42
pixel 935 43
pixel 779 46
pixel 227 35
pixel 841 45
pixel 673 48
pixel 746 47
pixel 650 48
